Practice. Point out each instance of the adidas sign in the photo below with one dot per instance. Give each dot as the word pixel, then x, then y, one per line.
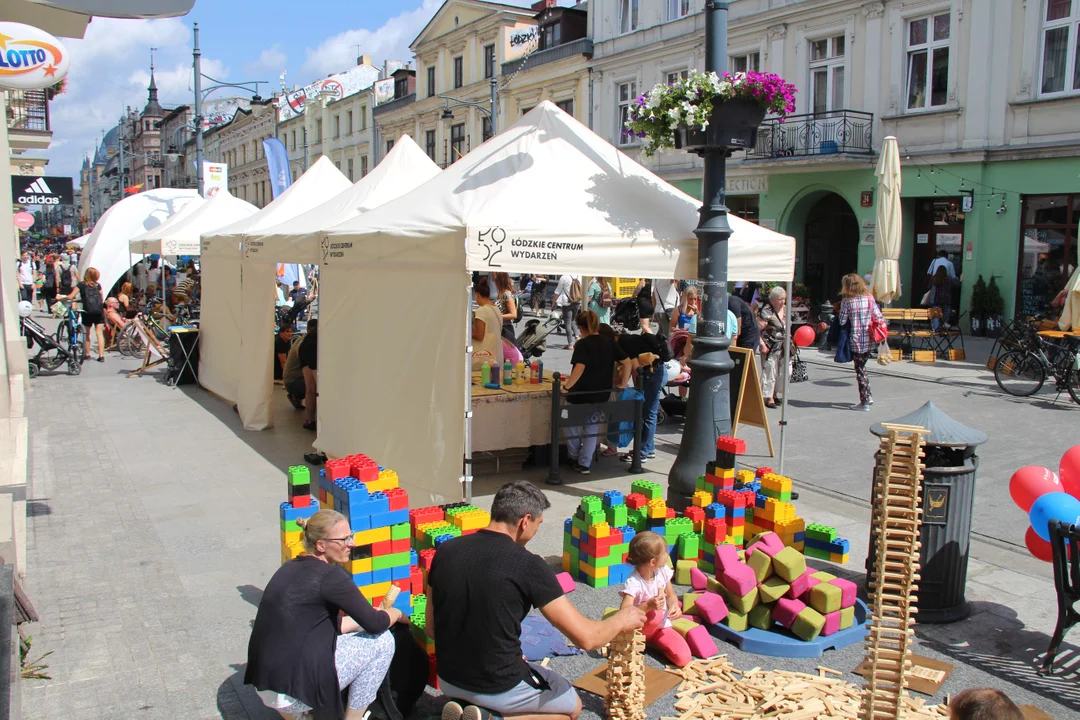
pixel 49 191
pixel 43 194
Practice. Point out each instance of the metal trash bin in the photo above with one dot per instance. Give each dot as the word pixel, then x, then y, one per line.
pixel 948 495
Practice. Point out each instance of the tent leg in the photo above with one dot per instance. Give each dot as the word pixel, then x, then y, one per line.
pixel 787 373
pixel 467 476
pixel 130 263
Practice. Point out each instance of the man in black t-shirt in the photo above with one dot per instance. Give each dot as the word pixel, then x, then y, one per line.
pixel 749 333
pixel 481 587
pixel 309 362
pixel 282 344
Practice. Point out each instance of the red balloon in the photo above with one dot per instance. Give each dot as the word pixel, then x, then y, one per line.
pixel 1069 470
pixel 1030 483
pixel 805 336
pixel 1037 546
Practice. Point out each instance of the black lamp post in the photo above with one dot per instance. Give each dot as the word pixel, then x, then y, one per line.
pixel 708 413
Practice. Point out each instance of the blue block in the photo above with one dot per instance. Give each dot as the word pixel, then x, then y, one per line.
pixel 361 579
pixel 714 510
pixel 404 602
pixel 708 557
pixel 399 573
pixel 441 539
pixel 582 577
pixel 397 516
pixel 628 533
pixel 414 559
pixel 760 499
pixel 380 576
pixel 288 512
pixel 568 525
pixel 619 573
pixel 358 523
pixel 735 513
pixel 613 498
pixel 380 520
pixel 800 537
pixel 575 542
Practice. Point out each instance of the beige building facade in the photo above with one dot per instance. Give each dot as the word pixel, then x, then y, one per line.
pixel 241 149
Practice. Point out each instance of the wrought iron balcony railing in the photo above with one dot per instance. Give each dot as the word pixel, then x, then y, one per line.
pixel 28 110
pixel 825 133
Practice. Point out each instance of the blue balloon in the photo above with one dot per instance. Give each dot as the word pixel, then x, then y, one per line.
pixel 1054 506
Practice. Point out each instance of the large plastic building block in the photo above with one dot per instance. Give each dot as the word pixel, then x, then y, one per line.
pixel 735 446
pixel 789 564
pixel 636 501
pixel 808 624
pixel 786 610
pixel 651 490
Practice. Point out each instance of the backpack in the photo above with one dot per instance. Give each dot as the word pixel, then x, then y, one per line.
pixel 575 291
pixel 606 300
pixel 50 277
pixel 658 346
pixel 91 299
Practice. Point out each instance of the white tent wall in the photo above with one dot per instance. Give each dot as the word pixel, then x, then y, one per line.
pixel 393 381
pixel 219 326
pixel 257 305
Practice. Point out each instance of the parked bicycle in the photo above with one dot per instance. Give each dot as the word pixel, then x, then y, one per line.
pixel 69 332
pixel 1023 371
pixel 131 343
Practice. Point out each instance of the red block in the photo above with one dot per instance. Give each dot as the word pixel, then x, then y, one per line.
pixel 416 580
pixel 399 499
pixel 421 516
pixel 763 523
pixel 381 548
pixel 715 531
pixel 731 445
pixel 426 558
pixel 671 513
pixel 403 585
pixel 301 501
pixel 696 515
pixel 599 547
pixel 399 546
pixel 337 469
pixel 762 472
pixel 636 500
pixel 363 468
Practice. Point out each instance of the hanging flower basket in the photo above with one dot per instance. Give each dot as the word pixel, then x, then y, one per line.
pixel 706 110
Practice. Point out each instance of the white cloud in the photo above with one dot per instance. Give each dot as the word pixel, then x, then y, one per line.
pixel 272 61
pixel 389 42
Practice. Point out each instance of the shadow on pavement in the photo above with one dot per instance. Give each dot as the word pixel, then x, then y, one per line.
pixel 250 594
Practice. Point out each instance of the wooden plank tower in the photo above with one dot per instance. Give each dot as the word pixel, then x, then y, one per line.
pixel 896 521
pixel 626 676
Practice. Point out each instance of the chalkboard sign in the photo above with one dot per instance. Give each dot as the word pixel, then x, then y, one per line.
pixel 1032 296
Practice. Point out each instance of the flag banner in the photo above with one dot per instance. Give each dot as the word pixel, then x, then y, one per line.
pixel 277 160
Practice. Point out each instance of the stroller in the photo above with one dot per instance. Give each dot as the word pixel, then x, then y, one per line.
pixel 625 315
pixel 51 353
pixel 533 339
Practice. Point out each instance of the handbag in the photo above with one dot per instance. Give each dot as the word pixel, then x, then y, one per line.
pixel 843 344
pixel 928 298
pixel 799 372
pixel 878 329
pixel 884 355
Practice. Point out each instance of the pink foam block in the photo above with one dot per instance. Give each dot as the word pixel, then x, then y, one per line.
pixel 799 586
pixel 848 591
pixel 738 578
pixel 698 579
pixel 711 608
pixel 770 543
pixel 726 555
pixel 832 623
pixel 786 610
pixel 811 582
pixel 566 582
pixel 702 644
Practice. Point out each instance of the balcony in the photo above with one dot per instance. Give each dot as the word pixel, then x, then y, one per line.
pixel 28 120
pixel 836 132
pixel 581 46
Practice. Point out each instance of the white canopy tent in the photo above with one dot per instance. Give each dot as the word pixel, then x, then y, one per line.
pixel 404 168
pixel 79 242
pixel 545 195
pixel 181 234
pixel 108 249
pixel 220 327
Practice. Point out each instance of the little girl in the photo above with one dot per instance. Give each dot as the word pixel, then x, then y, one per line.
pixel 649 587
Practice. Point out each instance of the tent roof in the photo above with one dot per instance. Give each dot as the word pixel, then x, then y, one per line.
pixel 155 232
pixel 321 181
pixel 108 249
pixel 404 168
pixel 180 235
pixel 549 195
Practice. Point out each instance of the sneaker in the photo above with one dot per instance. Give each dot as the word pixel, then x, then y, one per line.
pixel 861 408
pixel 310 426
pixel 452 711
pixel 101 359
pixel 870 401
pixel 627 457
pixel 474 713
pixel 649 455
pixel 581 469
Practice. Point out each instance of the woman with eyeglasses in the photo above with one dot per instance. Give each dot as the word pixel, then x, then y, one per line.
pixel 302 654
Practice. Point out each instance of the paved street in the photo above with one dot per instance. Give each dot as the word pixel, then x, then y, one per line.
pixel 153 529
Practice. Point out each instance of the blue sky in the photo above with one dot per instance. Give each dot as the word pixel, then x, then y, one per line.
pixel 240 40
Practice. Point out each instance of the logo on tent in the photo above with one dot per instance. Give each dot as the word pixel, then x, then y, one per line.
pixel 325 246
pixel 491 240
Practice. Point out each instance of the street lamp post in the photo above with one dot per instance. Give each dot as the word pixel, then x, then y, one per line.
pixel 492 112
pixel 708 412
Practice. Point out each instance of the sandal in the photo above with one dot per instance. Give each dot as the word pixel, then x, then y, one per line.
pixel 609 452
pixel 770 403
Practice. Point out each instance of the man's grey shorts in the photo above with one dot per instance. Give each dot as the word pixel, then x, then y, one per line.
pixel 523 699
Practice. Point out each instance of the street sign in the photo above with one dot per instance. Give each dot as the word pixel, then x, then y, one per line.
pixel 23 220
pixel 30 59
pixel 42 190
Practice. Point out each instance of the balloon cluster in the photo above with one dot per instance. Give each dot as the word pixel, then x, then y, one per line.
pixel 1047 496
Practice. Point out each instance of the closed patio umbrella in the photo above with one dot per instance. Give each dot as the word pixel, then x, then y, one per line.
pixel 1070 312
pixel 886 283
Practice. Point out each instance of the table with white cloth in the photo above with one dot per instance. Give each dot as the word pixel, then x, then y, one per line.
pixel 511 419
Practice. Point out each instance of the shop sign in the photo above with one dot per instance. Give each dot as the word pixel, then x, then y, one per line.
pixel 922 238
pixel 30 59
pixel 866 198
pixel 42 190
pixel 215 178
pixel 748 185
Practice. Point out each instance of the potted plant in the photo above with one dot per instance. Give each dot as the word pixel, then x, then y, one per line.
pixel 706 110
pixel 978 308
pixel 995 309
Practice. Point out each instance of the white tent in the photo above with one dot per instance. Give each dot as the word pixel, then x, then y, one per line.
pixel 79 242
pixel 181 234
pixel 219 342
pixel 108 250
pixel 296 241
pixel 545 195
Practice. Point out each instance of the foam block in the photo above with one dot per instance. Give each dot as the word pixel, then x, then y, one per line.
pixel 799 586
pixel 566 582
pixel 761 616
pixel 737 621
pixel 701 643
pixel 698 580
pixel 689 603
pixel 832 623
pixel 711 608
pixel 848 591
pixel 738 578
pixel 772 589
pixel 847 617
pixel 789 564
pixel 786 610
pixel 823 576
pixel 685 624
pixel 713 585
pixel 682 571
pixel 760 563
pixel 726 555
pixel 808 624
pixel 825 597
pixel 767 541
pixel 740 603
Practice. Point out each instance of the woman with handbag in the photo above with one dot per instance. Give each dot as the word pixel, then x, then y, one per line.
pixel 867 326
pixel 773 335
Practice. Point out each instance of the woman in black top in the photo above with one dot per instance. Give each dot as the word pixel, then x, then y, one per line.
pixel 300 650
pixel 646 308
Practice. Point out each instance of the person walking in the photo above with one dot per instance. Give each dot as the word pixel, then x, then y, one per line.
pixel 859 308
pixel 568 301
pixel 536 298
pixel 506 304
pixel 68 276
pixel 941 286
pixel 600 300
pixel 646 306
pixel 26 278
pixel 773 336
pixel 50 282
pixel 92 297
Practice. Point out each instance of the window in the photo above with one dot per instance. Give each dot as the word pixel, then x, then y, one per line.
pixel 928 62
pixel 1048 254
pixel 489 61
pixel 827 74
pixel 677 9
pixel 293 142
pixel 349 172
pixel 457 142
pixel 459 71
pixel 550 36
pixel 750 62
pixel 628 15
pixel 401 87
pixel 243 154
pixel 429 144
pixel 1061 31
pixel 674 77
pixel 525 110
pixel 626 92
pixel 348 123
pixel 337 164
pixel 431 81
pixel 363 117
pixel 337 126
pixel 363 165
pixel 146 124
pixel 485 129
pixel 567 106
pixel 389 146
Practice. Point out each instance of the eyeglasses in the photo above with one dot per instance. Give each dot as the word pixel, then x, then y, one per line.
pixel 348 540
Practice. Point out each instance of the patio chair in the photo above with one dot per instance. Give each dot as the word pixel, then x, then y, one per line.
pixel 1064 539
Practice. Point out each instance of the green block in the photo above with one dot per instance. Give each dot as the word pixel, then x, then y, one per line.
pixel 682 571
pixel 761 616
pixel 621 550
pixel 761 564
pixel 616 515
pixel 706 567
pixel 700 483
pixel 688 600
pixel 400 559
pixel 579 523
pixel 737 621
pixel 649 489
pixel 299 475
pixel 823 576
pixel 742 604
pixel 453 512
pixel 772 589
pixel 575 561
pixel 816 553
pixel 712 584
pixel 789 564
pixel 817 531
pixel 289 526
pixel 688 545
pixel 567 542
pixel 808 624
pixel 606 561
pixel 638 521
pixel 591 504
pixel 847 617
pixel 599 582
pixel 381 562
pixel 595 518
pixel 400 531
pixel 825 598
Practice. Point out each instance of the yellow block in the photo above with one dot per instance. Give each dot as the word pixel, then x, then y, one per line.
pixel 422 529
pixel 376 590
pixel 566 562
pixel 355 567
pixel 287 538
pixel 702 498
pixel 367 537
pixel 329 504
pixel 600 530
pixel 575 532
pixel 594 572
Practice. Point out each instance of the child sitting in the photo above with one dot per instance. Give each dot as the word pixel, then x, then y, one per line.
pixel 649 587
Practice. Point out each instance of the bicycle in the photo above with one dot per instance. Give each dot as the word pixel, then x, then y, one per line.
pixel 130 343
pixel 70 331
pixel 1022 372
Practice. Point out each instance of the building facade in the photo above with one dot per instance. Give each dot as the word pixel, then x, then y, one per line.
pixel 241 149
pixel 176 131
pixel 982 97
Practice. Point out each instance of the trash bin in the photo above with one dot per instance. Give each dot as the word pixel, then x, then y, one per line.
pixel 948 495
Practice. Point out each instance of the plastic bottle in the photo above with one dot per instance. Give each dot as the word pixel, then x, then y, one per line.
pixel 485 374
pixel 494 374
pixel 534 375
pixel 508 372
pixel 540 368
pixel 522 373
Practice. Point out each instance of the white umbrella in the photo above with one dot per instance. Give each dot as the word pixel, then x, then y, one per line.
pixel 1070 313
pixel 886 282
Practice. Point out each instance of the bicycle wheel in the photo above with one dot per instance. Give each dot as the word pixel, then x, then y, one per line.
pixel 1072 384
pixel 125 343
pixel 1019 373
